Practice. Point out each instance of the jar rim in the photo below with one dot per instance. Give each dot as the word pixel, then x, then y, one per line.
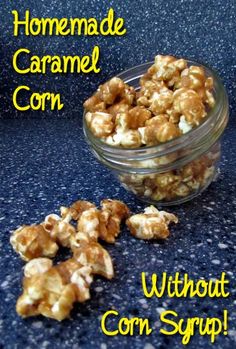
pixel 212 120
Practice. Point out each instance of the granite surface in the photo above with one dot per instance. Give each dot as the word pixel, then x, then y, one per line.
pixel 45 163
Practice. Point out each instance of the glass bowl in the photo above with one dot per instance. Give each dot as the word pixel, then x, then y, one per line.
pixel 178 170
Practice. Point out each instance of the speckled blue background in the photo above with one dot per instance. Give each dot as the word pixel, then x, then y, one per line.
pixel 45 163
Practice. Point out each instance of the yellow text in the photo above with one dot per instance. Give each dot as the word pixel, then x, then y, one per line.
pixel 124 326
pixel 109 25
pixel 186 328
pixel 56 64
pixel 36 101
pixel 177 287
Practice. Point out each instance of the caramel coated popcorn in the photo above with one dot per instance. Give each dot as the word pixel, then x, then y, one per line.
pixel 189 104
pixel 89 223
pixel 59 228
pixel 173 184
pixel 76 209
pixel 100 123
pixel 32 242
pixel 120 116
pixel 51 290
pixel 112 214
pixel 104 223
pixel 92 254
pixel 152 224
pixel 110 96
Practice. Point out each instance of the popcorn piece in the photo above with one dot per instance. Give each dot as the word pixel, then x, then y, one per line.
pixel 152 224
pixel 188 103
pixel 111 215
pixel 166 132
pixel 148 75
pixel 160 102
pixel 128 95
pixel 59 228
pixel 159 129
pixel 80 237
pixel 194 78
pixel 113 92
pixel 89 223
pixel 37 266
pixel 166 180
pixel 182 190
pixel 94 104
pixel 184 126
pixel 119 108
pixel 133 119
pixel 156 96
pixel 136 117
pixel 105 224
pixel 80 276
pixel 76 209
pixel 149 132
pixel 126 139
pixel 46 294
pixel 173 115
pixel 109 91
pixel 32 242
pixel 168 68
pixel 51 291
pixel 149 87
pixel 116 208
pixel 92 254
pixel 100 123
pixel 160 194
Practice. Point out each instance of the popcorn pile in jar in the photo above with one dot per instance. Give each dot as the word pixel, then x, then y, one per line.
pixel 174 184
pixel 173 99
pixel 51 290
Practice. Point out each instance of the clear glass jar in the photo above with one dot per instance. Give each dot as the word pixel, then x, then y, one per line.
pixel 175 171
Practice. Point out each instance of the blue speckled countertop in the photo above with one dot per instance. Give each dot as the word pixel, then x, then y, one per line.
pixel 45 163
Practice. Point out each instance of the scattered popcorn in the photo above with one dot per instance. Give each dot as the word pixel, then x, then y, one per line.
pixel 51 290
pixel 37 266
pixel 112 213
pixel 59 228
pixel 89 223
pixel 152 224
pixel 92 254
pixel 103 224
pixel 47 294
pixel 32 242
pixel 76 209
